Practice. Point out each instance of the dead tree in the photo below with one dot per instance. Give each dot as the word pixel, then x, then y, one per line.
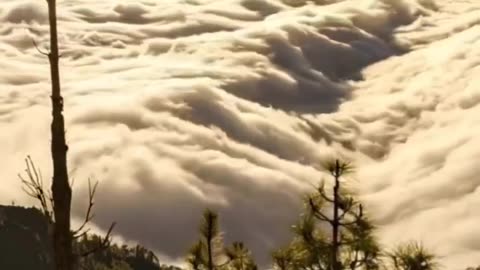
pixel 34 187
pixel 61 192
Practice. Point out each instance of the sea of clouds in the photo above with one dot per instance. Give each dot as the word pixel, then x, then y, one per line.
pixel 179 105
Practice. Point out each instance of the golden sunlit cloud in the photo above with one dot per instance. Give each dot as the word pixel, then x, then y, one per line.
pixel 233 104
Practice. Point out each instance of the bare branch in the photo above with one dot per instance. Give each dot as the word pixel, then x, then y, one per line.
pixel 89 215
pixel 80 235
pixel 38 49
pixel 103 244
pixel 33 187
pixel 82 231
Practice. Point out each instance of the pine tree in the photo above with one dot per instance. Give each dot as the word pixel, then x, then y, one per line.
pixel 209 253
pixel 240 257
pixel 333 234
pixel 412 256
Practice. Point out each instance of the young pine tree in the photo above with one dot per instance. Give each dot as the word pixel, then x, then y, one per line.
pixel 333 234
pixel 209 253
pixel 412 256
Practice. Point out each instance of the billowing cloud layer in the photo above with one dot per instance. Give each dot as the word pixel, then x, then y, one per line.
pixel 180 105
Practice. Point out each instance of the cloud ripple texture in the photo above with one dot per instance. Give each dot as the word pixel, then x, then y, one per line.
pixel 178 105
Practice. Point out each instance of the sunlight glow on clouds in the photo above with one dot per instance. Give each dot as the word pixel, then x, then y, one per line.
pixel 179 105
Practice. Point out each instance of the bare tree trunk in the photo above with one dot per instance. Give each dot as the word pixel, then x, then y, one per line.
pixel 210 252
pixel 61 190
pixel 336 219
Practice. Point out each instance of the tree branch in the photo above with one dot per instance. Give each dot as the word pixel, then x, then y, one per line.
pixel 346 207
pixel 33 187
pixel 104 243
pixel 357 217
pixel 89 215
pixel 316 212
pixel 39 50
pixel 321 190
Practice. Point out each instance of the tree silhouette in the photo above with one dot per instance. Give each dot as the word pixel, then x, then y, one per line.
pixel 412 256
pixel 33 185
pixel 61 191
pixel 240 257
pixel 206 253
pixel 333 234
pixel 209 253
pixel 56 205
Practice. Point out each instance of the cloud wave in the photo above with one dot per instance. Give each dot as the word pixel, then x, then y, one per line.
pixel 233 104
